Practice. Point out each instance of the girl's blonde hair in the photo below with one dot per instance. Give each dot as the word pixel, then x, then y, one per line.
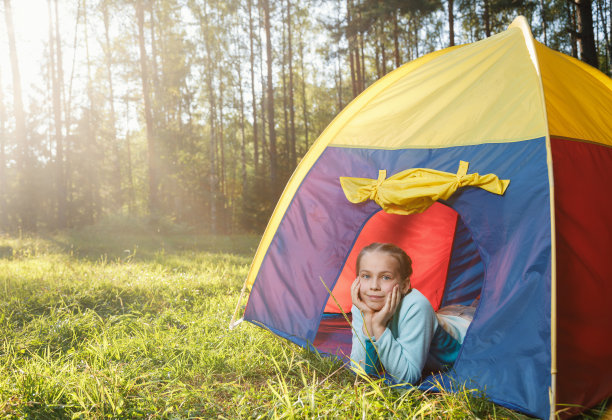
pixel 404 261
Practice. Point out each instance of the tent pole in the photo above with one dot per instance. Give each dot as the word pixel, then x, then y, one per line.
pixel 553 295
pixel 522 23
pixel 553 276
pixel 233 322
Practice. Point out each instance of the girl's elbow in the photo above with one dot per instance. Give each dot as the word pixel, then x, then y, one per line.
pixel 408 375
pixel 412 378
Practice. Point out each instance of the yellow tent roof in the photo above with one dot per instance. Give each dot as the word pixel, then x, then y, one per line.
pixel 484 92
pixel 575 110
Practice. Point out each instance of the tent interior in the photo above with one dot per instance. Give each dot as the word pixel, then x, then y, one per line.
pixel 447 267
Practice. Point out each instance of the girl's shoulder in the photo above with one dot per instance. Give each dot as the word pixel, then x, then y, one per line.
pixel 415 302
pixel 416 298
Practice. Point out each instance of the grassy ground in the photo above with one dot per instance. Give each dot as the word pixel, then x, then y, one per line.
pixel 116 322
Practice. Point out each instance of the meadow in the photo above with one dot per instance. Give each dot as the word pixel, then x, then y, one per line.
pixel 117 321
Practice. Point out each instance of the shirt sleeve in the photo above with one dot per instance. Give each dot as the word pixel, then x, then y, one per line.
pixel 363 351
pixel 405 355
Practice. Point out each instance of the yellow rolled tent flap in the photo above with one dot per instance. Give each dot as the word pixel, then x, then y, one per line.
pixel 415 190
pixel 536 252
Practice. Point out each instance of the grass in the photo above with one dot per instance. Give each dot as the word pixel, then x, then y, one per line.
pixel 117 322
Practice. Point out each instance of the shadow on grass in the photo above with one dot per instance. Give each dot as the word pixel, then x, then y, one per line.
pixel 126 239
pixel 60 321
pixel 94 244
pixel 106 300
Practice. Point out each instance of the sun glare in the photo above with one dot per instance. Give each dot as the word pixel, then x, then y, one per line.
pixel 31 24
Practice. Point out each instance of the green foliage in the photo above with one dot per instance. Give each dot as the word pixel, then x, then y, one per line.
pixel 121 321
pixel 207 157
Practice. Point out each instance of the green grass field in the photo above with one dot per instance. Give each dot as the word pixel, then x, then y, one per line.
pixel 115 322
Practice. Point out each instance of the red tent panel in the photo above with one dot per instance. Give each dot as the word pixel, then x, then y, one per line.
pixel 583 205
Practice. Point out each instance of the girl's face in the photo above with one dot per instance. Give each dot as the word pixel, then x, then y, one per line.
pixel 378 275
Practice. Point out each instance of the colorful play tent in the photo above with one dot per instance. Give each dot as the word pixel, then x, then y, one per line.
pixel 538 252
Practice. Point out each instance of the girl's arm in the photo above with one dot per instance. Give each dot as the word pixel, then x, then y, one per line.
pixel 404 356
pixel 363 353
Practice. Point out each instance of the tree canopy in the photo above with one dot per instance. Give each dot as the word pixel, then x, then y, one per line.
pixel 198 111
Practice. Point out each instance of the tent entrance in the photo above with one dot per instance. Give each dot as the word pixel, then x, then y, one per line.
pixel 446 264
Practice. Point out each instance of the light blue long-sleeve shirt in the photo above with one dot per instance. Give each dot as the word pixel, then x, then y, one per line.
pixel 412 341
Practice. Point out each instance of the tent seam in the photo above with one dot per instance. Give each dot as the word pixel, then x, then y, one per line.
pixel 521 22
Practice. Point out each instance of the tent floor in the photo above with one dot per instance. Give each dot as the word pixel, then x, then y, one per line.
pixel 334 336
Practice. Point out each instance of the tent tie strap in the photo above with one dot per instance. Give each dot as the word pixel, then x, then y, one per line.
pixel 415 190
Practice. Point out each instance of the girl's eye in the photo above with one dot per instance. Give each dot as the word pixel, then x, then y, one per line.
pixel 386 277
pixel 365 276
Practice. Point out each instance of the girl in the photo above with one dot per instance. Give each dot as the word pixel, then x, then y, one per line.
pixel 394 325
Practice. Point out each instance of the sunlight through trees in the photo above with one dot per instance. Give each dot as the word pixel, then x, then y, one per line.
pixel 198 111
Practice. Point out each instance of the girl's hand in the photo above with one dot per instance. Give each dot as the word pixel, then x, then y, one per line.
pixel 381 318
pixel 360 304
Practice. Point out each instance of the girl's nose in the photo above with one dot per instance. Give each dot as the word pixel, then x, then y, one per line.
pixel 374 284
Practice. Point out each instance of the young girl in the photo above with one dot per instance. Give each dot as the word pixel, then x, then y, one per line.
pixel 394 325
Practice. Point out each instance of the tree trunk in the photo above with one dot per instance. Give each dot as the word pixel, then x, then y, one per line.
pixel 212 117
pixel 264 144
pixel 357 65
pixel 27 203
pixel 337 77
pixel 253 96
pixel 212 180
pixel 351 48
pixel 339 89
pixel 221 139
pixel 222 169
pixel 287 158
pixel 292 148
pixel 57 105
pixel 113 125
pixel 338 63
pixel 416 38
pixel 362 75
pixel 130 177
pixel 543 16
pixel 353 67
pixel 243 157
pixel 304 99
pixel 396 49
pixel 67 106
pixel 151 146
pixel 588 53
pixel 608 48
pixel 3 142
pixel 92 191
pixel 377 57
pixel 451 23
pixel 487 18
pixel 383 55
pixel 409 36
pixel 87 184
pixel 270 99
pixel 60 192
pixel 155 95
pixel 571 12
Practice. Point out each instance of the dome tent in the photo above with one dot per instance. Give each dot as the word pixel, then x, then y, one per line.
pixel 535 255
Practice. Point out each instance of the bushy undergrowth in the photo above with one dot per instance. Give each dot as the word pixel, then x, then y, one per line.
pixel 113 323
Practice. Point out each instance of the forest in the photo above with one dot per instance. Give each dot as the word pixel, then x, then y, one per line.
pixel 196 112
